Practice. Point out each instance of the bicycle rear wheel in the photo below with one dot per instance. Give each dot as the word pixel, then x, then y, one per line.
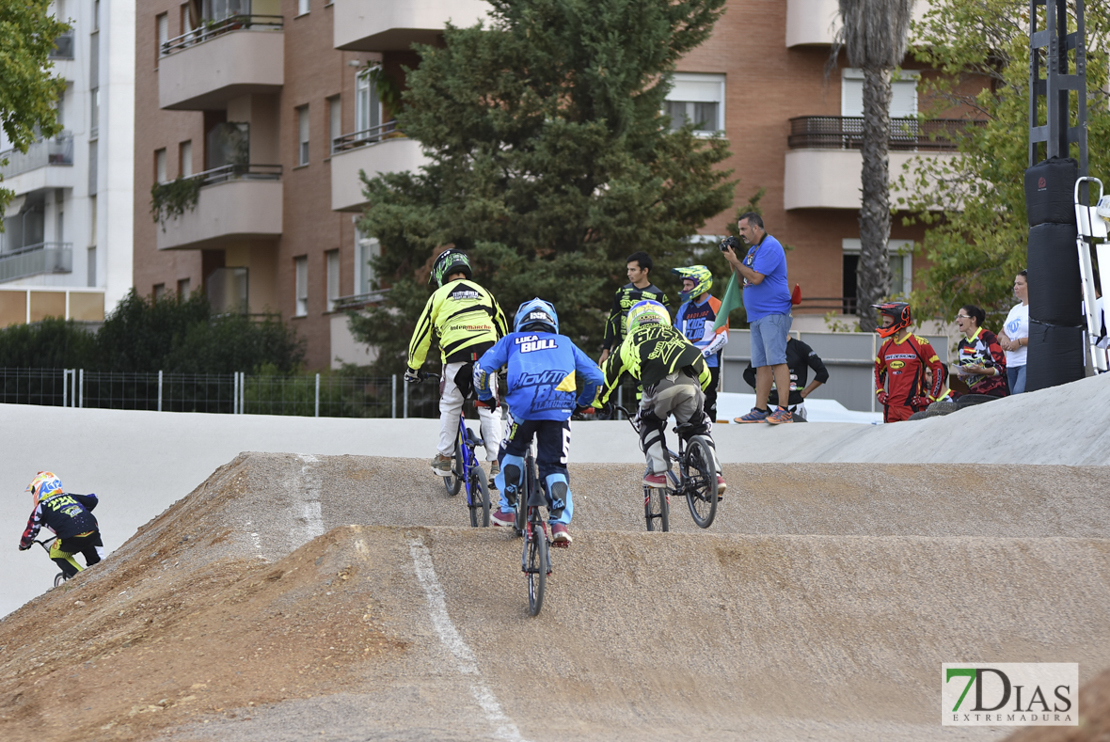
pixel 477 492
pixel 537 566
pixel 699 472
pixel 60 579
pixel 657 507
pixel 454 482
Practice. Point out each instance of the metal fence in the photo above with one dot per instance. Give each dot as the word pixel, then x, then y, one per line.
pixel 316 395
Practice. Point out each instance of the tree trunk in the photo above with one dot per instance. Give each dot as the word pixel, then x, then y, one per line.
pixel 873 269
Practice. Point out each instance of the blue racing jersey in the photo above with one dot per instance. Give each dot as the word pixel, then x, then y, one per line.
pixel 548 375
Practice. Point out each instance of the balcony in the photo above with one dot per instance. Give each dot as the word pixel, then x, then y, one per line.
pixel 381 149
pixel 816 22
pixel 234 202
pixel 35 260
pixel 205 68
pixel 395 25
pixel 48 163
pixel 846 132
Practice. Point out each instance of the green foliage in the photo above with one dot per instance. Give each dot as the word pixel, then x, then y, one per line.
pixel 974 204
pixel 172 199
pixel 550 162
pixel 52 343
pixel 147 335
pixel 29 90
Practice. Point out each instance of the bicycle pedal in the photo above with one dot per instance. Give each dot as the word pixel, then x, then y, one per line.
pixel 560 545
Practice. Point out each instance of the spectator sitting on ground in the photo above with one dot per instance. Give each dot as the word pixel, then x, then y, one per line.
pixel 799 358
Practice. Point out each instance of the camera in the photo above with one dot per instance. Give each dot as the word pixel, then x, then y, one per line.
pixel 729 242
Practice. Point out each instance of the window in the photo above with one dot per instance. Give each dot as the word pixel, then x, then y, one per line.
pixel 366 248
pixel 160 166
pixel 302 7
pixel 90 268
pixel 185 157
pixel 92 220
pixel 697 98
pixel 903 93
pixel 331 259
pixel 368 109
pixel 900 254
pixel 159 291
pixel 302 135
pixel 94 161
pixel 335 122
pixel 94 113
pixel 300 271
pixel 184 288
pixel 163 24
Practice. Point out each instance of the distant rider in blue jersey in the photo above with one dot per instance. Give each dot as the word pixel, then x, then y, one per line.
pixel 548 378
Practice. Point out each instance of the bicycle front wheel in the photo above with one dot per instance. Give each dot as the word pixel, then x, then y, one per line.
pixel 700 480
pixel 59 579
pixel 454 482
pixel 537 566
pixel 478 494
pixel 657 508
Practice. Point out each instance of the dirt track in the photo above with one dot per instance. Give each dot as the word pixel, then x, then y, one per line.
pixel 819 606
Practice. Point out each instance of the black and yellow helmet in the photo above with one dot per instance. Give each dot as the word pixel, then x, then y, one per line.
pixel 449 262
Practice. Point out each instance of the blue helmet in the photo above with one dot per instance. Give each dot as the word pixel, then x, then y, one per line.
pixel 536 314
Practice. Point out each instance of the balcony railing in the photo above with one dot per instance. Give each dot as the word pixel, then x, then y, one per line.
pixel 846 132
pixel 63 47
pixel 357 301
pixel 212 29
pixel 34 260
pixel 365 137
pixel 237 172
pixel 56 151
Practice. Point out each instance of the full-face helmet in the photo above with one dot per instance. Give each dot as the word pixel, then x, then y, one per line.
pixel 700 275
pixel 538 315
pixel 898 311
pixel 44 485
pixel 449 262
pixel 647 312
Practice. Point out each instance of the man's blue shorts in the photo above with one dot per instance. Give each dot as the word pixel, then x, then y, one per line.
pixel 769 335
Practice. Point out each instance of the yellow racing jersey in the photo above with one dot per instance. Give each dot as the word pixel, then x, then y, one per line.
pixel 466 319
pixel 650 353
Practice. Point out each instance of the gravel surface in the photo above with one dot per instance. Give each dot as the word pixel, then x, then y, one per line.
pixel 819 605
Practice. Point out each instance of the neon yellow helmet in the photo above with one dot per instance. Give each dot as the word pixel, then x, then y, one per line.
pixel 700 275
pixel 647 312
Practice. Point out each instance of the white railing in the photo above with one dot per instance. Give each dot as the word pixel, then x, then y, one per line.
pixel 34 260
pixel 55 151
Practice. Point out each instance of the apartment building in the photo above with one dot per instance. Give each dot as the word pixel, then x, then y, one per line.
pixel 66 249
pixel 269 109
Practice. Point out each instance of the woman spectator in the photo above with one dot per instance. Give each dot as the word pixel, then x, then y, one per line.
pixel 1015 335
pixel 980 361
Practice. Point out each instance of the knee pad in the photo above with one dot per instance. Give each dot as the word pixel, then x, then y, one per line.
pixel 512 469
pixel 651 430
pixel 557 488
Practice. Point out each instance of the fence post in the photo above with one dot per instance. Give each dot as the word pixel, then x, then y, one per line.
pixel 235 393
pixel 393 396
pixel 159 391
pixel 80 386
pixel 65 386
pixel 242 392
pixel 405 401
pixel 317 395
pixel 620 400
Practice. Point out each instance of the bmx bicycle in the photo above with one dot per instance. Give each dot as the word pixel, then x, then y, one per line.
pixel 45 544
pixel 535 557
pixel 696 480
pixel 465 469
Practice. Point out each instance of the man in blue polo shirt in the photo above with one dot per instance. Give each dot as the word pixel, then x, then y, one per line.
pixel 767 302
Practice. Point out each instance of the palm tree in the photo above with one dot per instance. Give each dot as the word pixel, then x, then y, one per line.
pixel 874 35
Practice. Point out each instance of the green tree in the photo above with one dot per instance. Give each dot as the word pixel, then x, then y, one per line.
pixel 52 343
pixel 28 90
pixel 974 203
pixel 550 161
pixel 874 36
pixel 147 335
